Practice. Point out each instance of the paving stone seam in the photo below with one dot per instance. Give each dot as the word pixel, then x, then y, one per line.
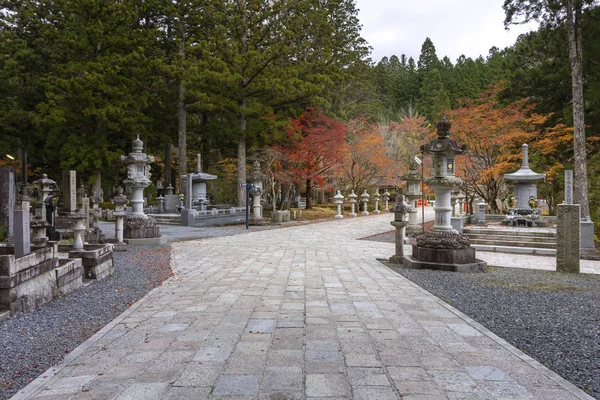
pixel 574 390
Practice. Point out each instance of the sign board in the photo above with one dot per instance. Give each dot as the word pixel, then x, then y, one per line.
pixel 568 186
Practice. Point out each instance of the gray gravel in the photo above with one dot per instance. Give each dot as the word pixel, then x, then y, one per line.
pixel 552 317
pixel 32 343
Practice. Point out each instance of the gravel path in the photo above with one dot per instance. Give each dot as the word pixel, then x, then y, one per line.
pixel 31 343
pixel 552 317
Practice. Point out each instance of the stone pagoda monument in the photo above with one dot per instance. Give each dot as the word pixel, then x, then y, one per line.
pixel 139 228
pixel 443 247
pixel 525 188
pixel 199 179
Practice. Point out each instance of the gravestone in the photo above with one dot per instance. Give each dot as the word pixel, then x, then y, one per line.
pixel 567 237
pixel 69 181
pixel 21 227
pixel 7 198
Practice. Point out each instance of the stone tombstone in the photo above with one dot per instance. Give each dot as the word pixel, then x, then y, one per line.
pixel 85 208
pixel 22 234
pixel 568 186
pixel 7 198
pixel 69 181
pixel 567 237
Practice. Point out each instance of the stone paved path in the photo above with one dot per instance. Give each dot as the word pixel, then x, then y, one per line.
pixel 295 313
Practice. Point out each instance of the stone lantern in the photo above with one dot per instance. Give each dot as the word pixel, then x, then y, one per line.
pixel 461 203
pixel 78 228
pixel 139 228
pixel 256 192
pixel 386 199
pixel 365 199
pixel 120 202
pixel 413 193
pixel 339 200
pixel 47 187
pixel 376 196
pixel 443 247
pixel 401 208
pixel 352 196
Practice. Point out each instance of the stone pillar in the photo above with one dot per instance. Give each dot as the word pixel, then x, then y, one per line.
pixel 352 196
pixel 567 237
pixel 339 200
pixel 69 190
pixel 85 209
pixel 7 199
pixel 365 199
pixel 256 177
pixel 161 204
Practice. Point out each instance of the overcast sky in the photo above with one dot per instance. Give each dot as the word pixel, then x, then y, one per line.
pixel 469 27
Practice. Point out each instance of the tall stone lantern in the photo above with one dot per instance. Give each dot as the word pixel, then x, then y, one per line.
pixel 413 193
pixel 256 192
pixel 139 228
pixel 443 247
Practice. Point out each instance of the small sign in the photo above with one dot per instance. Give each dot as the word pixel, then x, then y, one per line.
pixel 568 186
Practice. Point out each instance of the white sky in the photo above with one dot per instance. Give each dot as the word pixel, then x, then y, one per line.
pixel 469 27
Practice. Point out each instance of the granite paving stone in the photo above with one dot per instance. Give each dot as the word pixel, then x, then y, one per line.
pixel 302 312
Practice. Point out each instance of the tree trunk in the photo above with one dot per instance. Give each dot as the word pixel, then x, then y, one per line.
pixel 167 165
pixel 574 13
pixel 241 162
pixel 309 194
pixel 182 133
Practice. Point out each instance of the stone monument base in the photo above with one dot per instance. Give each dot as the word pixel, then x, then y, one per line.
pixel 140 227
pixel 410 262
pixel 445 250
pixel 97 260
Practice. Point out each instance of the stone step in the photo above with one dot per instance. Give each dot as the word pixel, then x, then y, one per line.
pixel 515 250
pixel 506 232
pixel 514 243
pixel 4 314
pixel 506 238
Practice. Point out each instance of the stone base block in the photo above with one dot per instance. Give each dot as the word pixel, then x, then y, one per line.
pixel 27 282
pixel 69 276
pixel 410 262
pixel 120 246
pixel 147 241
pixel 279 217
pixel 188 217
pixel 444 256
pixel 586 235
pixel 140 227
pixel 97 260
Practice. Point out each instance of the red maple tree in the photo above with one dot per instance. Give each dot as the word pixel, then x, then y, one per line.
pixel 315 143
